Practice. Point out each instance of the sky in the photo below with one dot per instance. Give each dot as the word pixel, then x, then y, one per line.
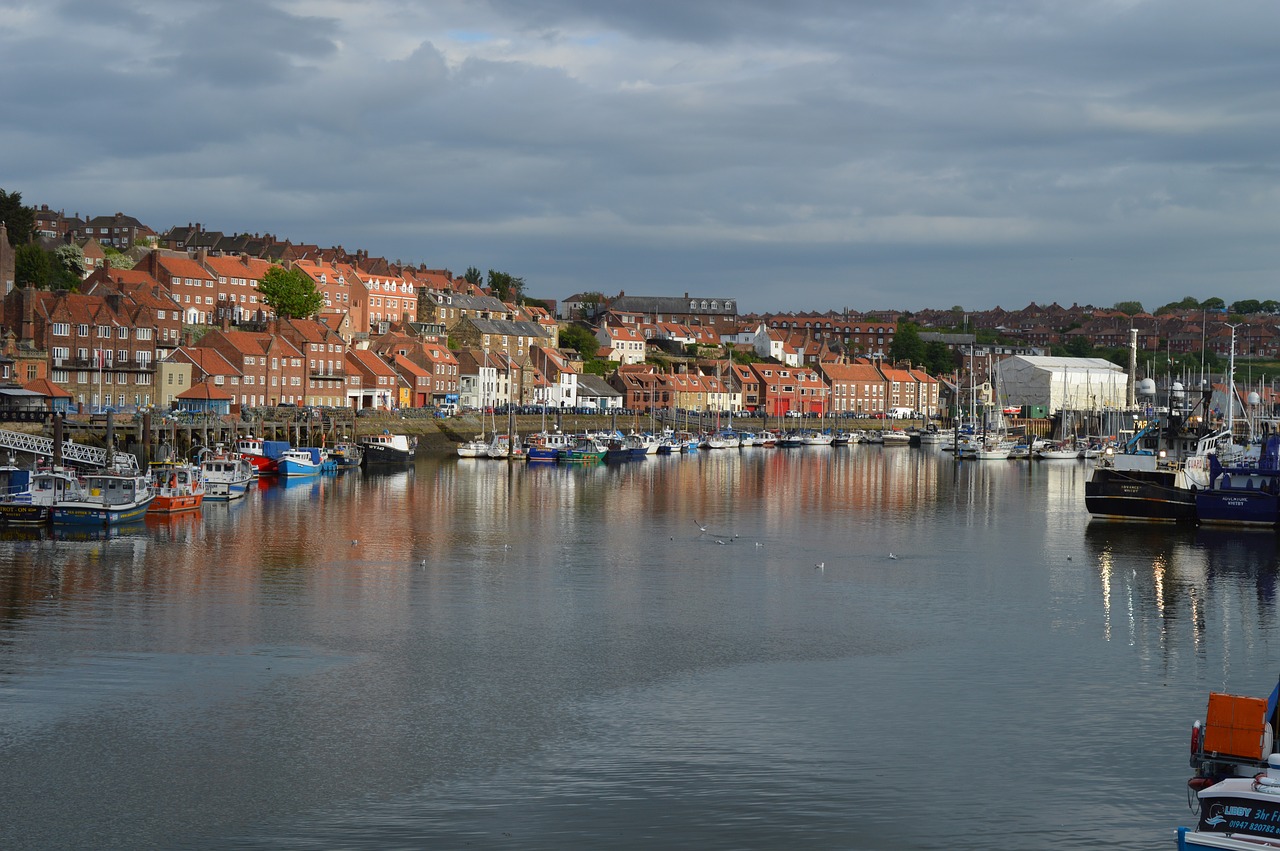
pixel 809 155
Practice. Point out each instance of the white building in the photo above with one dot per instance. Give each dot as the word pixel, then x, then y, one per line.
pixel 1075 384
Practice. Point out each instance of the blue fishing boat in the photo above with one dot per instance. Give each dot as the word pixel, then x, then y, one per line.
pixel 1243 496
pixel 298 463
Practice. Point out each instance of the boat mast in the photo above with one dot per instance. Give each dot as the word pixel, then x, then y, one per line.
pixel 1231 385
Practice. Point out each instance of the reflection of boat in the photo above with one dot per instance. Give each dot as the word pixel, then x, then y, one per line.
pixel 109 497
pixel 1237 779
pixel 79 532
pixel 386 449
pixel 226 475
pixel 177 486
pixel 1243 496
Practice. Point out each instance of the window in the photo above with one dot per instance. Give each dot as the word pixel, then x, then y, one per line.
pixel 60 329
pixel 60 353
pixel 82 330
pixel 144 334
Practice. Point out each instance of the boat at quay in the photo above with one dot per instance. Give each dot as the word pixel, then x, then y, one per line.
pixel 1236 787
pixel 107 498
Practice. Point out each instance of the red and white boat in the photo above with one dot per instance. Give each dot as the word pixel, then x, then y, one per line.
pixel 262 455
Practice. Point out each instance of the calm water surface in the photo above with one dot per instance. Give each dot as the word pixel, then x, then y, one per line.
pixel 475 656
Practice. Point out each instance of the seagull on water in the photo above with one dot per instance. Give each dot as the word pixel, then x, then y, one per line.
pixel 892 556
pixel 822 565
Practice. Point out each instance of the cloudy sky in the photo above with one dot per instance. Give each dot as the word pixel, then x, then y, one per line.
pixel 808 155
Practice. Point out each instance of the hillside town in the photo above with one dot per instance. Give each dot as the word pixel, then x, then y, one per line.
pixel 175 320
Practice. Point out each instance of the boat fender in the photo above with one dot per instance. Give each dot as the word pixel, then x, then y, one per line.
pixel 1199 784
pixel 1195 738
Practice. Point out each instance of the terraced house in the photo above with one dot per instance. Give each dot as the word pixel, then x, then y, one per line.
pixel 100 348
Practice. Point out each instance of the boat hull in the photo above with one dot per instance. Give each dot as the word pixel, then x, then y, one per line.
pixel 23 514
pixel 384 456
pixel 1138 495
pixel 175 504
pixel 1237 508
pixel 89 514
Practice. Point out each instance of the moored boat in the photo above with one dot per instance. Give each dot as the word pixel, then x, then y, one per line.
pixel 109 497
pixel 299 463
pixel 1243 496
pixel 546 446
pixel 177 488
pixel 345 456
pixel 263 455
pixel 387 450
pixel 226 475
pixel 1236 786
pixel 31 505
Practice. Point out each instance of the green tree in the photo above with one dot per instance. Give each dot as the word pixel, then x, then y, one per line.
pixel 1214 303
pixel 118 259
pixel 907 345
pixel 1129 307
pixel 33 266
pixel 1248 305
pixel 18 220
pixel 506 287
pixel 290 292
pixel 1270 306
pixel 938 359
pixel 71 259
pixel 1187 303
pixel 473 276
pixel 580 340
pixel 1079 347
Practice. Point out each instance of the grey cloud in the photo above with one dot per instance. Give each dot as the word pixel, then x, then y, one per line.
pixel 818 155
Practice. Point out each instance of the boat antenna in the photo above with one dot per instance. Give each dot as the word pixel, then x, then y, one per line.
pixel 1231 384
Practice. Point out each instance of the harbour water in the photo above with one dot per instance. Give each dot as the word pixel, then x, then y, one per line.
pixel 477 655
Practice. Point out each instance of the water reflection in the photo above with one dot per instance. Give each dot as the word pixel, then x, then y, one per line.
pixel 569 642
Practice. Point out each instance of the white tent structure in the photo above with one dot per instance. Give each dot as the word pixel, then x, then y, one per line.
pixel 1076 384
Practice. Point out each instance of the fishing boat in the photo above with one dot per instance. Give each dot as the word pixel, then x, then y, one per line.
pixel 299 463
pixel 1151 477
pixel 177 486
pixel 345 456
pixel 546 446
pixel 262 454
pixel 585 450
pixel 1245 495
pixel 109 497
pixel 226 475
pixel 1236 786
pixel 387 450
pixel 29 506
